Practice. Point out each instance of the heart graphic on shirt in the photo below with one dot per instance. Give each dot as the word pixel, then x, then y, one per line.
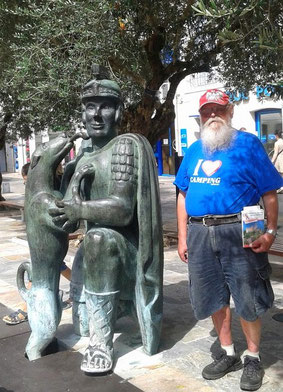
pixel 210 167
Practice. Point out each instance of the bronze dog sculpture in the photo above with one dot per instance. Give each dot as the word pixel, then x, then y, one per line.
pixel 48 245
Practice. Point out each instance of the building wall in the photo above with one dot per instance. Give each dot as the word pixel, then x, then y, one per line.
pixel 245 111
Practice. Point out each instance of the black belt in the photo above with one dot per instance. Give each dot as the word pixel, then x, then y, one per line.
pixel 215 220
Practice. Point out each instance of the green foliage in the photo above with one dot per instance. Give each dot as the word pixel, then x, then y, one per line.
pixel 47 48
pixel 252 40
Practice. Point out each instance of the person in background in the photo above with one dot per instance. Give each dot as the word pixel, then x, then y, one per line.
pixel 20 315
pixel 277 158
pixel 24 172
pixel 58 177
pixel 216 180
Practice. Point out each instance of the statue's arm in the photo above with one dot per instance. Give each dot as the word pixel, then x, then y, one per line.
pixel 117 209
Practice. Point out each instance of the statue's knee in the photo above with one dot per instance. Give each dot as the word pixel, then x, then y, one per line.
pixel 100 241
pixel 95 238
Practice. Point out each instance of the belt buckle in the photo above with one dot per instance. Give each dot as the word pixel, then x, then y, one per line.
pixel 203 221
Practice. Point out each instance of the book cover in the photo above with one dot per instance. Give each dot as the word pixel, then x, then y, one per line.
pixel 252 224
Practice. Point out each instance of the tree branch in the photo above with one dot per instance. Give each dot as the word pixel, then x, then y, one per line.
pixel 117 65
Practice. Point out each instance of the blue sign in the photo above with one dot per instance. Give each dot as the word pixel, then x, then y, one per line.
pixel 237 96
pixel 242 95
pixel 264 91
pixel 15 150
pixel 184 140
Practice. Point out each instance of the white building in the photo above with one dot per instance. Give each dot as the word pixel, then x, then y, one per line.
pixel 255 111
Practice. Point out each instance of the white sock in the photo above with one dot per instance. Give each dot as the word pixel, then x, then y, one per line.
pixel 229 349
pixel 250 354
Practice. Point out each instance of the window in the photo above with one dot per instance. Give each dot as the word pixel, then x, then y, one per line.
pixel 267 122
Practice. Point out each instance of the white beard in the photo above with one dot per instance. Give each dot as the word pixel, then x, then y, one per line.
pixel 216 139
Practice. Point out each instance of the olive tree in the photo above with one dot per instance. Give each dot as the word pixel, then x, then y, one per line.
pixel 47 49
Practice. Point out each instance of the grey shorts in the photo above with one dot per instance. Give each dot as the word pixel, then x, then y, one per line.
pixel 219 267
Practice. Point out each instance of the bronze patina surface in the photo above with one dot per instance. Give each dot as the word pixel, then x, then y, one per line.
pixel 112 186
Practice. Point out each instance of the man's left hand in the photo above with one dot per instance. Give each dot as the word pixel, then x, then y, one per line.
pixel 262 243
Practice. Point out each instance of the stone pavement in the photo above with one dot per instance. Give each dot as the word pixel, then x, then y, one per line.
pixel 186 344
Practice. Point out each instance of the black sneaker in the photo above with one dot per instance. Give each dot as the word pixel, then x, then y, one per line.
pixel 253 373
pixel 222 365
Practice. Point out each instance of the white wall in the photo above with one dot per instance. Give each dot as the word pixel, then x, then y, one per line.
pixel 10 158
pixel 186 103
pixel 244 112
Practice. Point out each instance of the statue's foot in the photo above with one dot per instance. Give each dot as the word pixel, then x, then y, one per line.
pixel 97 359
pixel 41 349
pixel 35 351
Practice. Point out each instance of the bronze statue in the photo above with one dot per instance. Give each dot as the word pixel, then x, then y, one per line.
pixel 112 186
pixel 48 245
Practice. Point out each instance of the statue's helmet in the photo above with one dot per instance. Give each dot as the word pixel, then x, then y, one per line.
pixel 101 85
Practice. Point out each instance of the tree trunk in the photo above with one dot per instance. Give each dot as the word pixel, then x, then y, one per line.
pixel 1 197
pixel 7 118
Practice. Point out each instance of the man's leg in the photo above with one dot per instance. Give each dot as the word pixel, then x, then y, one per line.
pixel 222 325
pixel 252 332
pixel 226 361
pixel 253 373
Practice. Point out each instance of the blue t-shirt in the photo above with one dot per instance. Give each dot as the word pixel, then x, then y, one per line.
pixel 226 181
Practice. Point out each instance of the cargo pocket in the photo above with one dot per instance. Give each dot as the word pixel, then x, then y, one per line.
pixel 264 295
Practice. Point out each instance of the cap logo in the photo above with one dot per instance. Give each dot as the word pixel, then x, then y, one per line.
pixel 213 95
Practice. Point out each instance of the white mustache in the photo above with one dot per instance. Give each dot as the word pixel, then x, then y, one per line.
pixel 211 120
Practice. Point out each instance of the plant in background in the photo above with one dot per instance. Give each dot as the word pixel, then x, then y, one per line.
pixel 47 49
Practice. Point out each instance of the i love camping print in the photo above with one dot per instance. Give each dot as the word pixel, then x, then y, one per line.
pixel 209 168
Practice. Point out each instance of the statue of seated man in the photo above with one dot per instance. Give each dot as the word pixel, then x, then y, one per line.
pixel 113 188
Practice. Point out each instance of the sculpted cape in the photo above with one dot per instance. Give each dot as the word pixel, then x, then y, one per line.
pixel 149 278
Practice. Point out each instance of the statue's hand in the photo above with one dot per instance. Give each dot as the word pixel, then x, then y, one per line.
pixel 67 213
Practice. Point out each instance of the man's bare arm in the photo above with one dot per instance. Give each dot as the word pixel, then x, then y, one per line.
pixel 182 218
pixel 264 242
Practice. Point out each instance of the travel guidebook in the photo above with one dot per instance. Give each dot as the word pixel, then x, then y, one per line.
pixel 252 224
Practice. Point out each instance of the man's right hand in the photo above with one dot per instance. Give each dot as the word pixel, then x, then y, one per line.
pixel 183 251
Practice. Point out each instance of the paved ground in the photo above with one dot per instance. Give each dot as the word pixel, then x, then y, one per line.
pixel 186 344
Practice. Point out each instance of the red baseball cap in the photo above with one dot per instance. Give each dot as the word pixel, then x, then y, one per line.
pixel 213 96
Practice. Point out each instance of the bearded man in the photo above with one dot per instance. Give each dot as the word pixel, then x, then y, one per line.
pixel 223 172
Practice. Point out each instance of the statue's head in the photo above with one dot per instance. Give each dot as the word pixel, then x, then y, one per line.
pixel 101 105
